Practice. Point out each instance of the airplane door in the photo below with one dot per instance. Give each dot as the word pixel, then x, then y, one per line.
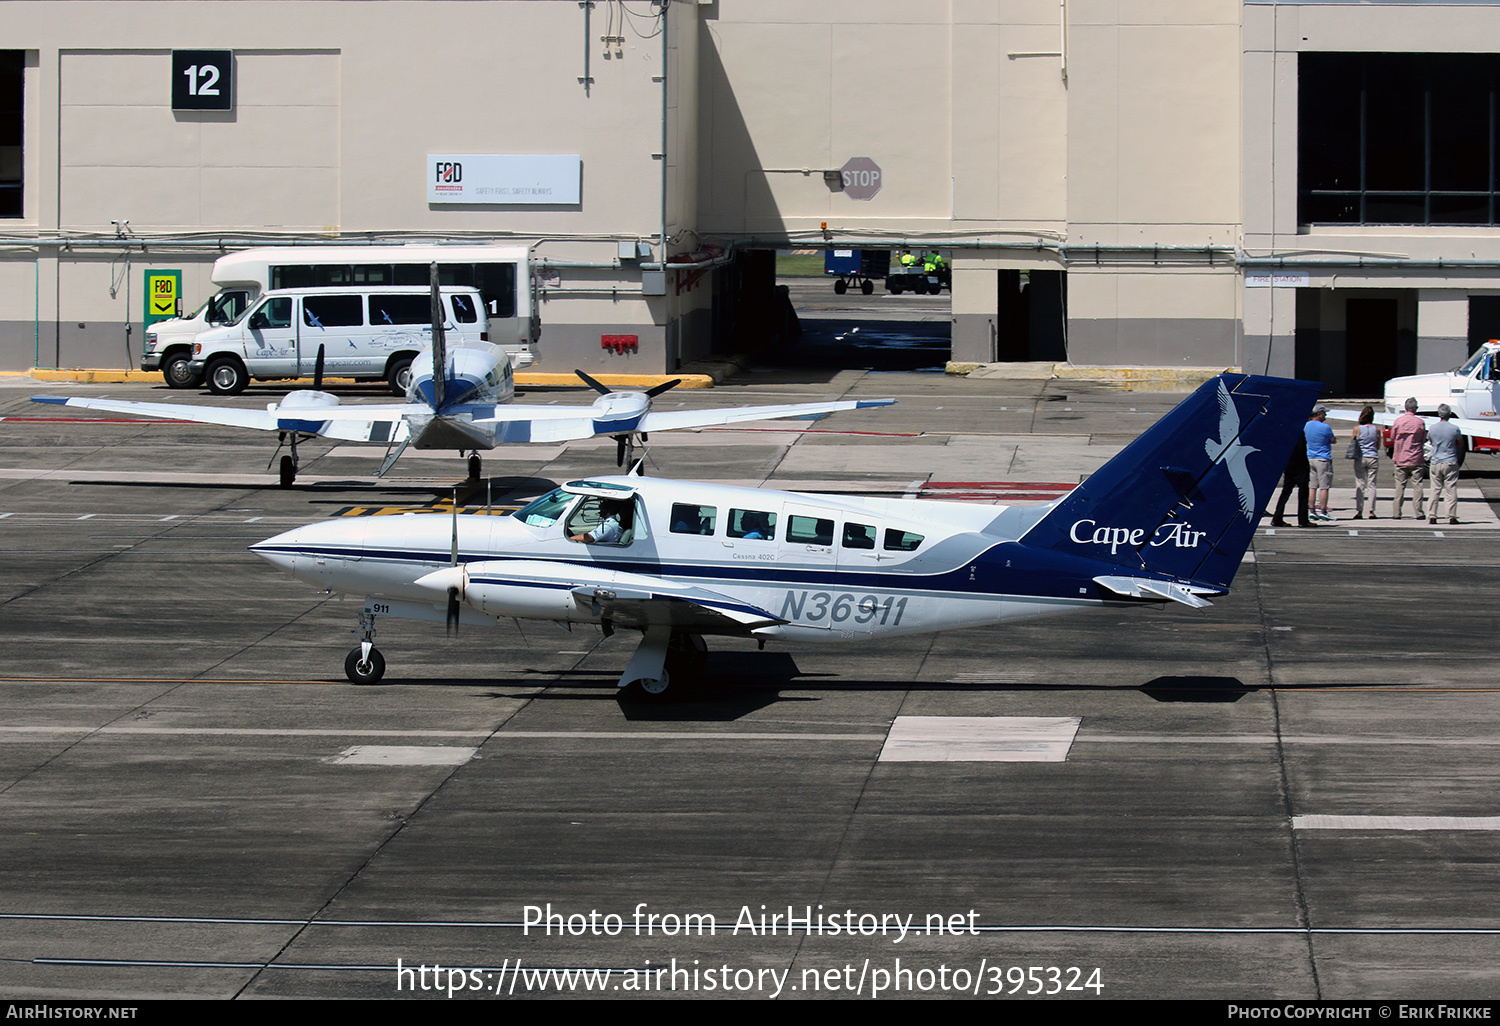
pixel 808 538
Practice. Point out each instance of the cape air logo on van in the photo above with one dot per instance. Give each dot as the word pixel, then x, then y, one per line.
pixel 447 174
pixel 1088 532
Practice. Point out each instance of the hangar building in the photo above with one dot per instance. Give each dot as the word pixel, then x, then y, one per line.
pixel 1290 187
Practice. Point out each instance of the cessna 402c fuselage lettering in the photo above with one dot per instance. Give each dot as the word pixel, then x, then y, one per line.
pixel 1167 520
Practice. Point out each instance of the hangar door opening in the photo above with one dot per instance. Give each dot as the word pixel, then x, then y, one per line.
pixel 1031 320
pixel 861 308
pixel 1354 340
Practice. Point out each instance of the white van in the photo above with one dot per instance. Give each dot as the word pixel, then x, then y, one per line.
pixel 501 274
pixel 369 334
pixel 169 343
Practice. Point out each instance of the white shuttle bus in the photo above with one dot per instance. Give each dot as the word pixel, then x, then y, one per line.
pixel 502 275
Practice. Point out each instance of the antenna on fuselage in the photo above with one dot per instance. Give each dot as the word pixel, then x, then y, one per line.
pixel 439 342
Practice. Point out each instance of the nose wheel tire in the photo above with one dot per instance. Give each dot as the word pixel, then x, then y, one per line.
pixel 360 671
pixel 288 471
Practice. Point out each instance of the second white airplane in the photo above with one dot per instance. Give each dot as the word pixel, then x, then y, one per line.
pixel 467 408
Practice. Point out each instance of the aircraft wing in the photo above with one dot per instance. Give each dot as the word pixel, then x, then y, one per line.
pixel 570 423
pixel 351 423
pixel 627 599
pixel 679 419
pixel 1472 428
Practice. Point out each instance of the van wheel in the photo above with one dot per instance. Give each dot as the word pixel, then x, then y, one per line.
pixel 176 371
pixel 400 375
pixel 226 376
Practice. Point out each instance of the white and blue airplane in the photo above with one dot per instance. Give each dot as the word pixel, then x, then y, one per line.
pixel 1167 520
pixel 467 408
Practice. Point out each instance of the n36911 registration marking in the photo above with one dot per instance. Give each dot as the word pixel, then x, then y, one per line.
pixel 843 607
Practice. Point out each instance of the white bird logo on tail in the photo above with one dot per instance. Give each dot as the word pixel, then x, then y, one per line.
pixel 1227 450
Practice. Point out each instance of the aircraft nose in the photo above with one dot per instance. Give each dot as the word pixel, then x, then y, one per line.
pixel 282 550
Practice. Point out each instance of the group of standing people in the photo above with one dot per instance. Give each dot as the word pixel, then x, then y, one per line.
pixel 1310 469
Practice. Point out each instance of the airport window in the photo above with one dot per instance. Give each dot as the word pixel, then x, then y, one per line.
pixel 859 536
pixel 901 541
pixel 1398 138
pixel 400 310
pixel 691 519
pixel 751 524
pixel 332 311
pixel 809 530
pixel 12 80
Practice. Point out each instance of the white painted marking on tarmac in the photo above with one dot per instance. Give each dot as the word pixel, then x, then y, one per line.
pixel 1354 534
pixel 992 677
pixel 913 490
pixel 4 515
pixel 979 739
pixel 254 519
pixel 171 517
pixel 1438 534
pixel 1248 557
pixel 404 755
pixel 1396 822
pixel 1270 532
pixel 86 516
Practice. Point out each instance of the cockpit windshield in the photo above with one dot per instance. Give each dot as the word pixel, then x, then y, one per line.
pixel 547 510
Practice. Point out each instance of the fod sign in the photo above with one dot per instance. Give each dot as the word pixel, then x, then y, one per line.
pixel 860 177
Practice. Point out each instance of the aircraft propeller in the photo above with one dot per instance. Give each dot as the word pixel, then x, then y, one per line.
pixel 453 605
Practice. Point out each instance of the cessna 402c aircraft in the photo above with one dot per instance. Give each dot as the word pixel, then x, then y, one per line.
pixel 466 408
pixel 1167 520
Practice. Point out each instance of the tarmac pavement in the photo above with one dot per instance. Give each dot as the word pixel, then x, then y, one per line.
pixel 1292 794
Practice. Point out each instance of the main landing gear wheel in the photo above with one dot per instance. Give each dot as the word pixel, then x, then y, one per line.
pixel 686 656
pixel 649 689
pixel 288 471
pixel 475 466
pixel 362 671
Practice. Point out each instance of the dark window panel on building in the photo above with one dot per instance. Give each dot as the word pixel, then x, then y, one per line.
pixel 12 129
pixel 1389 138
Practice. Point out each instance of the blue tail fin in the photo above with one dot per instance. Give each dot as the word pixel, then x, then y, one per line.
pixel 1183 499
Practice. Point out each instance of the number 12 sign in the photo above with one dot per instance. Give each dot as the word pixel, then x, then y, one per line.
pixel 203 80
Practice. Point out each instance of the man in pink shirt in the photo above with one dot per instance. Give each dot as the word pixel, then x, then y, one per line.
pixel 1408 435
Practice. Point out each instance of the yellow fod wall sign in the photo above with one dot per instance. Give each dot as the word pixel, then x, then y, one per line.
pixel 163 293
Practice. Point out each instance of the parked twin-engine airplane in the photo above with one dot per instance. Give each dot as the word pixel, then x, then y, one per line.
pixel 466 408
pixel 1167 520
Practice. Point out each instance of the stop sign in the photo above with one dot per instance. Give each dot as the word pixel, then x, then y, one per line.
pixel 861 178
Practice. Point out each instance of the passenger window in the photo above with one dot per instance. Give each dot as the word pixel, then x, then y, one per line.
pixel 859 536
pixel 809 530
pixel 691 519
pixel 273 313
pixel 332 311
pixel 463 310
pixel 400 310
pixel 901 541
pixel 751 524
pixel 372 274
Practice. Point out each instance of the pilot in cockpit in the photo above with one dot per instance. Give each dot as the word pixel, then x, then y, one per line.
pixel 615 519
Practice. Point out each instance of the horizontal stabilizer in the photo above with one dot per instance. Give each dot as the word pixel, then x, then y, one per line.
pixel 1145 588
